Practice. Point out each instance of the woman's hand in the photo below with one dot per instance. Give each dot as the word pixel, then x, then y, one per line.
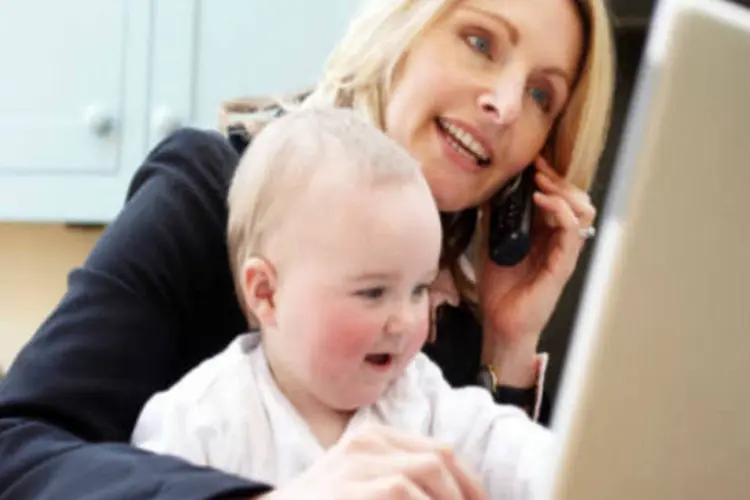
pixel 517 302
pixel 383 463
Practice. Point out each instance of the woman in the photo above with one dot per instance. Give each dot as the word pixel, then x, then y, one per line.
pixel 507 79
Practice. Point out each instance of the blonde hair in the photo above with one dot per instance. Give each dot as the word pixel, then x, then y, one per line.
pixel 282 161
pixel 360 71
pixel 581 131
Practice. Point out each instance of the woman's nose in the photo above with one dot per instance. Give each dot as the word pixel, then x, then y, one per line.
pixel 503 102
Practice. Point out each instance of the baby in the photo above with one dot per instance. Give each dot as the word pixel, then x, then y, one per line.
pixel 334 239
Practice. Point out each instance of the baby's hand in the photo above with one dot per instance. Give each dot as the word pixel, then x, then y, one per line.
pixel 379 463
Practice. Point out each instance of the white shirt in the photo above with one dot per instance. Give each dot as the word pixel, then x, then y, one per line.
pixel 229 414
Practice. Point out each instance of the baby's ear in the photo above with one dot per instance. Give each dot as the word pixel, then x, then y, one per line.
pixel 259 289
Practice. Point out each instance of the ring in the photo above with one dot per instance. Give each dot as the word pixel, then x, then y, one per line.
pixel 587 232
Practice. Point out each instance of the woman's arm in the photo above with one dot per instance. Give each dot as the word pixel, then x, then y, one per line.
pixel 457 350
pixel 152 299
pixel 516 302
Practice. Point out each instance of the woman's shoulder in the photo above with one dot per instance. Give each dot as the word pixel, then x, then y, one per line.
pixel 198 159
pixel 196 138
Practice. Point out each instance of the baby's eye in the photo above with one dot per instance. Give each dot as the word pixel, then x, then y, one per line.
pixel 371 293
pixel 542 98
pixel 421 290
pixel 480 43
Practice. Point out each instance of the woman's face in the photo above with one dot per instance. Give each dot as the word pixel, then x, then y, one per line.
pixel 476 97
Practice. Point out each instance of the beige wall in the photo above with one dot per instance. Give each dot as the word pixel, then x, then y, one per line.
pixel 34 264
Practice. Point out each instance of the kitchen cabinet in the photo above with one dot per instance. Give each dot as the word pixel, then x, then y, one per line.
pixel 240 47
pixel 74 86
pixel 89 87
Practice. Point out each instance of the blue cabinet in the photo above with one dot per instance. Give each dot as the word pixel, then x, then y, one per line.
pixel 74 85
pixel 90 86
pixel 258 47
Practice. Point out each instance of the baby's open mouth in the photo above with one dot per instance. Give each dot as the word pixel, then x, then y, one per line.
pixel 380 360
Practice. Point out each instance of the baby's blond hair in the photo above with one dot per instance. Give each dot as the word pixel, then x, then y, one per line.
pixel 281 162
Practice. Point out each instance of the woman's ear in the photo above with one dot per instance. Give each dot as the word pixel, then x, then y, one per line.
pixel 259 289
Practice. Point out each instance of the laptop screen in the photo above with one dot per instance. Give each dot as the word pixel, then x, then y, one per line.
pixel 653 401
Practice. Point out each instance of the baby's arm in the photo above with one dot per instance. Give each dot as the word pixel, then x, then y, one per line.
pixel 501 443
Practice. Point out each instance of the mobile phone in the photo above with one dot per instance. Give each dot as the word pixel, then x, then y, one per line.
pixel 511 218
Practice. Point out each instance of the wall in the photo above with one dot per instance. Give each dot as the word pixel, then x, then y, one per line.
pixel 34 263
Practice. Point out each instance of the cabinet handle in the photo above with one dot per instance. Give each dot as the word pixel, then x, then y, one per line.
pixel 100 121
pixel 164 121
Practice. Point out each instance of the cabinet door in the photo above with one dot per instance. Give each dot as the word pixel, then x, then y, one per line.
pixel 72 106
pixel 240 48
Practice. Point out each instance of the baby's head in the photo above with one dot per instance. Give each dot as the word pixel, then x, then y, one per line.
pixel 334 239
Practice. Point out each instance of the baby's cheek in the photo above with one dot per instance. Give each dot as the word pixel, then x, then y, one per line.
pixel 351 331
pixel 421 332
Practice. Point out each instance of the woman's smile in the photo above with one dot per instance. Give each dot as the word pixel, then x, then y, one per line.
pixel 466 140
pixel 463 145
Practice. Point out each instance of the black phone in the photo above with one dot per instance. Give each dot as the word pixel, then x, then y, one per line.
pixel 511 218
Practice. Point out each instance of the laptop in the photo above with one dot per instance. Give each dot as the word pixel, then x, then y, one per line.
pixel 654 401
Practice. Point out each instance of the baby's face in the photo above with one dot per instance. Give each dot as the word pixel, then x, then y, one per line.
pixel 352 291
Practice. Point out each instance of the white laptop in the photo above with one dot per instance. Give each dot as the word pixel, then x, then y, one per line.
pixel 655 395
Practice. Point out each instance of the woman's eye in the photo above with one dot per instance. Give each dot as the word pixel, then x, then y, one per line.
pixel 371 293
pixel 542 98
pixel 480 43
